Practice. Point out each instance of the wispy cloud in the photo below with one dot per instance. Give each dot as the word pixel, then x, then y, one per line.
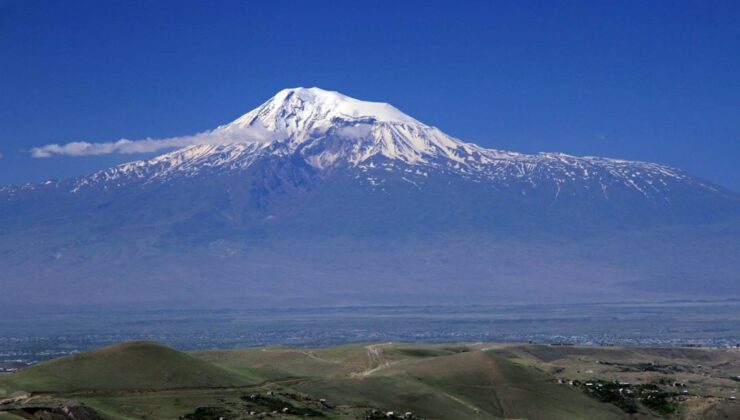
pixel 125 146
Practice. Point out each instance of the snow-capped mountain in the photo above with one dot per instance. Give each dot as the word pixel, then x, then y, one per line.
pixel 318 197
pixel 331 131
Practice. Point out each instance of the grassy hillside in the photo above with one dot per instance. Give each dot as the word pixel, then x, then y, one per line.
pixel 477 381
pixel 134 365
pixel 284 362
pixel 433 381
pixel 697 383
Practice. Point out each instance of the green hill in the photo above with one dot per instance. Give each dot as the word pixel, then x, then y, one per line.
pixel 475 381
pixel 133 365
pixel 470 384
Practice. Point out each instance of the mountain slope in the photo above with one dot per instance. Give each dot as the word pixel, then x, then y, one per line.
pixel 127 366
pixel 318 197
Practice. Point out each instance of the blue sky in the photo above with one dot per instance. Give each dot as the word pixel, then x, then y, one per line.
pixel 656 81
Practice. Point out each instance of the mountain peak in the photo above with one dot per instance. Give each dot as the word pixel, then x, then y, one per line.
pixel 301 110
pixel 336 104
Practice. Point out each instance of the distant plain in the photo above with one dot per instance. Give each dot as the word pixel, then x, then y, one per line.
pixel 35 335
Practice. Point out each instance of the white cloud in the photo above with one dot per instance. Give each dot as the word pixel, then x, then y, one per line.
pixel 230 133
pixel 125 146
pixel 355 131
